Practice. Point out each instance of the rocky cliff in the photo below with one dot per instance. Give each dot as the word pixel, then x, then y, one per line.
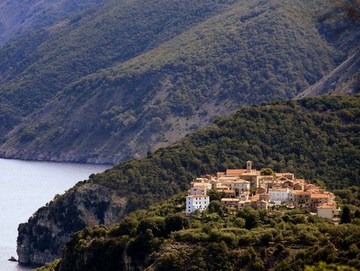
pixel 41 239
pixel 344 79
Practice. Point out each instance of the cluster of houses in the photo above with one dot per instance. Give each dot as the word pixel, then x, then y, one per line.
pixel 249 187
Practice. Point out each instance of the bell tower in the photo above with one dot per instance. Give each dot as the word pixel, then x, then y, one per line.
pixel 249 166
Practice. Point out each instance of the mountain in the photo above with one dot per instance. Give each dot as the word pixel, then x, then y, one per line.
pixel 317 139
pixel 34 69
pixel 18 18
pixel 96 90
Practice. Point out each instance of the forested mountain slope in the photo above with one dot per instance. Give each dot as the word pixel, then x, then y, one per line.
pixel 161 238
pixel 317 139
pixel 18 17
pixel 34 69
pixel 105 93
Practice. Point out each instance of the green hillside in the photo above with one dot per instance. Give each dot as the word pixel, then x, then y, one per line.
pixel 35 68
pixel 18 18
pixel 162 238
pixel 120 94
pixel 317 139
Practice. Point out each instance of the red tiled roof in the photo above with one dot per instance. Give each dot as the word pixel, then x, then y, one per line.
pixel 299 192
pixel 235 171
pixel 320 196
pixel 327 205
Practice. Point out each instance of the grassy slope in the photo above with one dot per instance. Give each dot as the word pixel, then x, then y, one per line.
pixel 315 138
pixel 251 52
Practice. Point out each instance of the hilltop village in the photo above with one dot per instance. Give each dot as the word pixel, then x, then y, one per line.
pixel 258 189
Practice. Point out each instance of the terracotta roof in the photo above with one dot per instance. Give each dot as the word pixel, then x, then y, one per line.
pixel 318 196
pixel 241 181
pixel 228 178
pixel 299 192
pixel 252 173
pixel 327 205
pixel 235 171
pixel 230 200
pixel 222 187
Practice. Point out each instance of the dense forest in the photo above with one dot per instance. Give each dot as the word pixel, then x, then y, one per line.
pixel 95 90
pixel 162 238
pixel 317 139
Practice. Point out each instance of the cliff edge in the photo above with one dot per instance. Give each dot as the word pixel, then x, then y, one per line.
pixel 41 239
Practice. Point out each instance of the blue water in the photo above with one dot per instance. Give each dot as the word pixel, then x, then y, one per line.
pixel 25 186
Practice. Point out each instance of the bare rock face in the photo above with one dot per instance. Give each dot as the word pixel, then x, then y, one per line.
pixel 343 80
pixel 42 238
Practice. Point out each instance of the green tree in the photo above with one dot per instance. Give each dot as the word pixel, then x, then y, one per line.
pixel 176 222
pixel 322 266
pixel 215 206
pixel 346 215
pixel 251 218
pixel 267 171
pixel 214 195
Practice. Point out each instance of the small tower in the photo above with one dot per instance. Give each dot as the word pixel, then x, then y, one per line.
pixel 248 166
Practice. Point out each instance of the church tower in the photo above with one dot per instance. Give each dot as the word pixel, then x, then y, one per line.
pixel 248 166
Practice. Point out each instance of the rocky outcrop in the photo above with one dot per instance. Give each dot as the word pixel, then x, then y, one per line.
pixel 42 238
pixel 344 79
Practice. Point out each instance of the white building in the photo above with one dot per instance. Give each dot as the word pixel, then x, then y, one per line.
pixel 279 195
pixel 328 210
pixel 244 196
pixel 199 190
pixel 240 185
pixel 196 202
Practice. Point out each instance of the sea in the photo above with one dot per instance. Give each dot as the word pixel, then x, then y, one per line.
pixel 25 186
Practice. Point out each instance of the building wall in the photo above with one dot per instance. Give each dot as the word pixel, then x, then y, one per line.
pixel 325 212
pixel 194 203
pixel 241 186
pixel 279 195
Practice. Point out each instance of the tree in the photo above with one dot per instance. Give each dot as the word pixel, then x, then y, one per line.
pixel 176 222
pixel 214 195
pixel 267 171
pixel 215 206
pixel 346 215
pixel 322 266
pixel 251 218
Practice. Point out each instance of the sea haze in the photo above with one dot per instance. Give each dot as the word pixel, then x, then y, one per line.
pixel 25 186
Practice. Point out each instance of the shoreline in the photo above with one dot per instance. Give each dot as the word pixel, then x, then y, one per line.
pixel 4 157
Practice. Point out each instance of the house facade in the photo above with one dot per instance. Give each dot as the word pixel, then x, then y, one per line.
pixel 196 202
